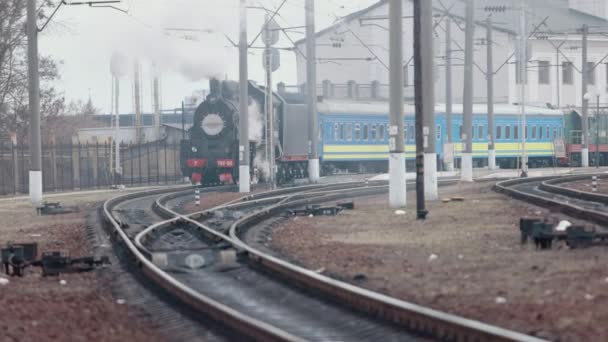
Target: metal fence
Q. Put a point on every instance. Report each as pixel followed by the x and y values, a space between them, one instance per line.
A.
pixel 77 166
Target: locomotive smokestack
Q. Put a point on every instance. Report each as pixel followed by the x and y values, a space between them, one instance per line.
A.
pixel 215 87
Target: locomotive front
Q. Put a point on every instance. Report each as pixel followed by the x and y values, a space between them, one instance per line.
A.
pixel 210 155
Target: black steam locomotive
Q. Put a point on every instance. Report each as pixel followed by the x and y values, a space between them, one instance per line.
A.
pixel 210 155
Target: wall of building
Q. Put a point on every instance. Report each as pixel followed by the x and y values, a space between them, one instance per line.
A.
pixel 126 135
pixel 375 35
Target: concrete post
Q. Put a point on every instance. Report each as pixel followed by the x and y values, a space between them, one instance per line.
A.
pixel 585 101
pixel 490 100
pixel 466 173
pixel 448 88
pixel 35 182
pixel 76 162
pixel 428 100
pixel 244 186
pixel 396 163
pixel 311 83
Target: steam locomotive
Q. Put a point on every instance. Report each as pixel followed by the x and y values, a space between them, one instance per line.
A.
pixel 210 154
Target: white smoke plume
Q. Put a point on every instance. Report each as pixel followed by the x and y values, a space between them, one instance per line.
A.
pixel 256 123
pixel 179 36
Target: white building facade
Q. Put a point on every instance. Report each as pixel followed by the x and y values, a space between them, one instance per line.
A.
pixel 355 52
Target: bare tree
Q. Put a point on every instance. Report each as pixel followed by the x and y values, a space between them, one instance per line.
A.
pixel 13 71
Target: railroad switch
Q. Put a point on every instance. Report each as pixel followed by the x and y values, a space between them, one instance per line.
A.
pixel 17 257
pixel 55 208
pixel 316 210
pixel 543 233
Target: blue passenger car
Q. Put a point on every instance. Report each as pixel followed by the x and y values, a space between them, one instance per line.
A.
pixel 354 135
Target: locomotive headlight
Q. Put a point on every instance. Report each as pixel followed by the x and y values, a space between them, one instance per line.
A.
pixel 212 124
pixel 194 149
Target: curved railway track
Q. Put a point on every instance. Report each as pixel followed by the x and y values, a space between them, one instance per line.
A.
pixel 203 260
pixel 549 192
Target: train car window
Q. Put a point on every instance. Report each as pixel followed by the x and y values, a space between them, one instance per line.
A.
pixel 373 132
pixel 526 132
pixel 540 132
pixel 381 132
pixel 554 132
pixel 349 132
pixel 336 131
pixel 507 132
pixel 460 132
pixel 405 132
pixel 533 132
pixel 357 132
pixel 365 132
pixel 438 132
pixel 498 132
pixel 480 132
pixel 548 133
pixel 412 133
pixel 516 132
pixel 342 132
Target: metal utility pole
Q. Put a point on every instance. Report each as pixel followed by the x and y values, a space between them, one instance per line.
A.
pixel 183 121
pixel 311 84
pixel 269 105
pixel 597 132
pixel 466 173
pixel 35 174
pixel 426 152
pixel 448 89
pixel 243 103
pixel 117 167
pixel 137 94
pixel 523 78
pixel 396 162
pixel 585 82
pixel 156 95
pixel 490 100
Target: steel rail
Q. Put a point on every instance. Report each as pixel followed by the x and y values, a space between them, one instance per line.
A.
pixel 549 184
pixel 411 316
pixel 245 325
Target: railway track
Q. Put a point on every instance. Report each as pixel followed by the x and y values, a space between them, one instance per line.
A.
pixel 550 193
pixel 203 260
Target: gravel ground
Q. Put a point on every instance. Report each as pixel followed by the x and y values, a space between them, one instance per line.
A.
pixel 43 309
pixel 585 185
pixel 465 259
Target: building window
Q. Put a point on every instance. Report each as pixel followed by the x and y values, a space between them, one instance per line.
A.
pixel 349 132
pixel 365 132
pixel 498 132
pixel 373 132
pixel 480 132
pixel 515 132
pixel 438 132
pixel 507 132
pixel 381 132
pixel 591 73
pixel 567 73
pixel 357 132
pixel 543 72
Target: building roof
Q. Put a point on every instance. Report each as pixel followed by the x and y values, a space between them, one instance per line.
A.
pixel 382 108
pixel 560 18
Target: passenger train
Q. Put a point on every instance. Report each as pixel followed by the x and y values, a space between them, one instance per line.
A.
pixel 353 135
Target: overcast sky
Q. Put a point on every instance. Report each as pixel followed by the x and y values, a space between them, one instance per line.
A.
pixel 85 38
